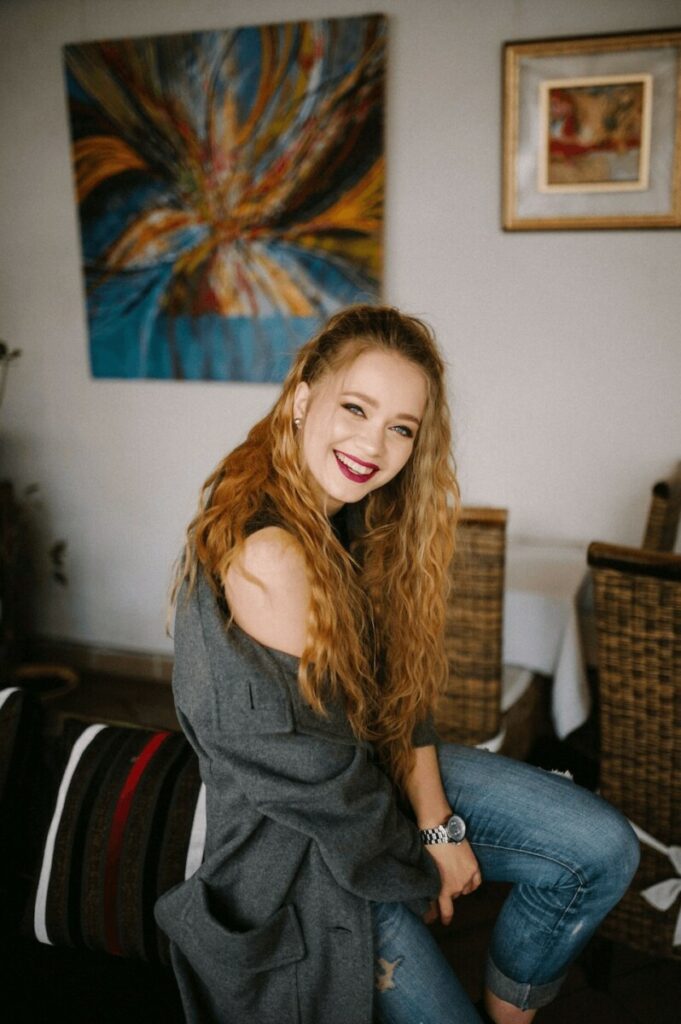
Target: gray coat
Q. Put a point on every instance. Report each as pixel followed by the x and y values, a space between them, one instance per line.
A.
pixel 303 831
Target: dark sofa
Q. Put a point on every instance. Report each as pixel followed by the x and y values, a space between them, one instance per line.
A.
pixel 125 800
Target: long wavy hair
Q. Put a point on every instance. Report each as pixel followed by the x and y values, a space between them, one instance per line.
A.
pixel 377 611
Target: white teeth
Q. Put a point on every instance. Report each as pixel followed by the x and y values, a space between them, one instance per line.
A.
pixel 355 467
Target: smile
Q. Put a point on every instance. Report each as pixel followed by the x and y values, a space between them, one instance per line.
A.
pixel 354 469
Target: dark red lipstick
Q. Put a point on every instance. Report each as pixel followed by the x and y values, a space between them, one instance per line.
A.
pixel 358 478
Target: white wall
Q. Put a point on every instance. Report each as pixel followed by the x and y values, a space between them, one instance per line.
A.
pixel 564 347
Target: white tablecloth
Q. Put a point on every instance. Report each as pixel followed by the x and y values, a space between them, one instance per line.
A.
pixel 546 587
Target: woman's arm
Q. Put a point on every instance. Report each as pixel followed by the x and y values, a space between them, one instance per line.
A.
pixel 458 866
pixel 425 790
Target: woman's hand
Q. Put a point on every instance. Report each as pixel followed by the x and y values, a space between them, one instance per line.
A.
pixel 459 874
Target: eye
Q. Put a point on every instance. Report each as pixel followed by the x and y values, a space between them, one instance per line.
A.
pixel 356 410
pixel 404 431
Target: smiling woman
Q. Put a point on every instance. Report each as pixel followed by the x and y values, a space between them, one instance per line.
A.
pixel 340 429
pixel 360 423
pixel 366 393
pixel 309 652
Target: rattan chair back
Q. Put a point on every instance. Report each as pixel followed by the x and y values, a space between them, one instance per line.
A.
pixel 469 710
pixel 638 621
pixel 664 512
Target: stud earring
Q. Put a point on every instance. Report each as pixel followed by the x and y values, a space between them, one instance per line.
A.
pixel 297 422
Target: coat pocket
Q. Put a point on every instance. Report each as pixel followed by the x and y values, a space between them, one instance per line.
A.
pixel 275 943
pixel 250 974
pixel 244 712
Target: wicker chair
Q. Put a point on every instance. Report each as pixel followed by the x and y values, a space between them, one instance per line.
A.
pixel 663 514
pixel 473 708
pixel 638 622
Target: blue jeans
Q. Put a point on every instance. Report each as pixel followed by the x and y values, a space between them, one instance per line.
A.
pixel 570 857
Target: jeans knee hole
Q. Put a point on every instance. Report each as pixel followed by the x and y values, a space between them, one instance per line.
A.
pixel 385 973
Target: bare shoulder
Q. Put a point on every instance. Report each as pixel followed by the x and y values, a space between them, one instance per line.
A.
pixel 269 554
pixel 267 590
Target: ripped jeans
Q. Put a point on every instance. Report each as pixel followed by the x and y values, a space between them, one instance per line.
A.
pixel 570 857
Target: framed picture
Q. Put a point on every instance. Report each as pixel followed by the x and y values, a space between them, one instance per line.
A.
pixel 592 132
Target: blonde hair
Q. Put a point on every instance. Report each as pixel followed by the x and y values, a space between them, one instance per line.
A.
pixel 376 626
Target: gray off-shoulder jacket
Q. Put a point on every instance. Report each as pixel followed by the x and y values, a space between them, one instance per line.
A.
pixel 303 831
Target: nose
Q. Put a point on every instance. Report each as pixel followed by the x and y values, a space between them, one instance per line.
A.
pixel 370 439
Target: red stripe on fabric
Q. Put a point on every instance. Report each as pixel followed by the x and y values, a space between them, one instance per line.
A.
pixel 115 844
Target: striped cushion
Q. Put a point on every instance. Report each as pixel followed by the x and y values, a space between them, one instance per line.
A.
pixel 128 823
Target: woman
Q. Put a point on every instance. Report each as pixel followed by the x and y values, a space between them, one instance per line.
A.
pixel 309 652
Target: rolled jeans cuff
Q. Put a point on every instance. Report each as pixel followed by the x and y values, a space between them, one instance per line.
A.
pixel 518 993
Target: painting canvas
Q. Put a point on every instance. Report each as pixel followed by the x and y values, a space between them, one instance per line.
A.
pixel 230 192
pixel 595 133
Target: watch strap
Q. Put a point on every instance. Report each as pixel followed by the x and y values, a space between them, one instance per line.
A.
pixel 431 836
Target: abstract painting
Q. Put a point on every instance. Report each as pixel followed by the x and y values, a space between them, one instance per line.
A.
pixel 230 192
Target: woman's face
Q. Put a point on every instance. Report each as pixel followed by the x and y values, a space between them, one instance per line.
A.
pixel 359 424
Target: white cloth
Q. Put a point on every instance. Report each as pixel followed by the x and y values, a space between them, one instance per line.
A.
pixel 663 895
pixel 545 587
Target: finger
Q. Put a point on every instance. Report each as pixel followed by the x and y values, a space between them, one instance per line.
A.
pixel 431 913
pixel 446 904
pixel 472 884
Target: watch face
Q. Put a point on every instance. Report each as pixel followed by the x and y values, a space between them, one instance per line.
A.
pixel 456 828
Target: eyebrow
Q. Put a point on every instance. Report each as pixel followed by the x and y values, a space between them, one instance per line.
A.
pixel 374 404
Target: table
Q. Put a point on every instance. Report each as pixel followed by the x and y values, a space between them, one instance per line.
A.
pixel 548 621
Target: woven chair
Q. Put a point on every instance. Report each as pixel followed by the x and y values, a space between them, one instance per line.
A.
pixel 663 514
pixel 472 708
pixel 638 621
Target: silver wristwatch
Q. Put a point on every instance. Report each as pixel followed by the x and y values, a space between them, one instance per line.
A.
pixel 452 831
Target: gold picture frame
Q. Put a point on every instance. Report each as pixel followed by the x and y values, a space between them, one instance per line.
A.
pixel 592 132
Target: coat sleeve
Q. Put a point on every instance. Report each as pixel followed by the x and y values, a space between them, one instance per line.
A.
pixel 308 773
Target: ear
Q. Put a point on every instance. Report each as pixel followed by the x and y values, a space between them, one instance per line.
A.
pixel 300 400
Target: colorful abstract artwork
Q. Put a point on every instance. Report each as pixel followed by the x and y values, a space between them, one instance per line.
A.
pixel 230 192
